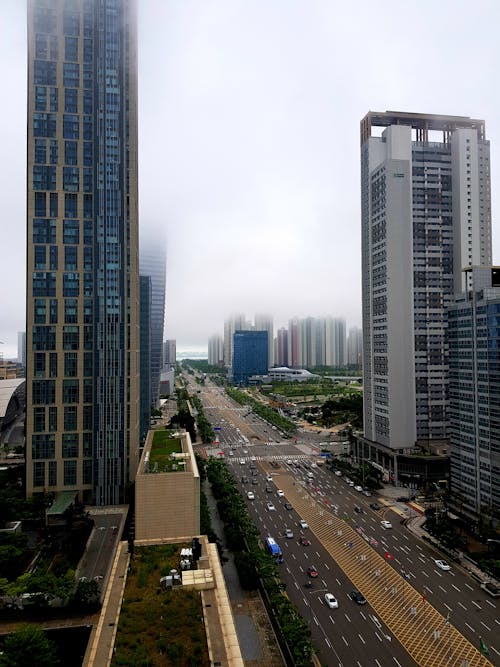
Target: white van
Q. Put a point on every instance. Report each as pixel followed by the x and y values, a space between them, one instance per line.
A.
pixel 310 475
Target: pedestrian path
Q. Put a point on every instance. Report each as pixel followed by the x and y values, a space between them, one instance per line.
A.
pixel 269 457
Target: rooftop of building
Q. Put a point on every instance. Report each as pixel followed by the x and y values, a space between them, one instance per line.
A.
pixel 7 390
pixel 419 121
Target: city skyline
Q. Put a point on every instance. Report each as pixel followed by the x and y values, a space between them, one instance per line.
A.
pixel 255 174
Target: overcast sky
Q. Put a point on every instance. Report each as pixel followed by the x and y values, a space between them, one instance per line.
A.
pixel 249 117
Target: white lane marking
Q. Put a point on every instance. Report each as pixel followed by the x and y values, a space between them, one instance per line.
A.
pixel 327 642
pixel 470 627
pixel 296 585
pixel 464 608
pixel 396 661
pixel 345 641
pixel 406 537
pixel 443 589
pixel 316 620
pixel 491 604
pixel 378 636
pixel 475 603
pixel 378 663
pixel 487 628
pixel 469 587
pixel 326 566
pixel 419 547
pixel 456 588
pixel 410 560
pixel 347 617
pixel 425 573
pixel 338 581
pixel 422 559
pixel 361 614
pixel 495 650
pixel 497 621
pixel 361 638
pixel 331 619
pixel 448 608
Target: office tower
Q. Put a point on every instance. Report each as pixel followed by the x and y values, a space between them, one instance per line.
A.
pixel 355 347
pixel 232 324
pixel 153 262
pixel 82 330
pixel 265 323
pixel 21 348
pixel 293 343
pixel 282 347
pixel 309 338
pixel 473 333
pixel 215 350
pixel 425 207
pixel 169 353
pixel 250 355
pixel 145 355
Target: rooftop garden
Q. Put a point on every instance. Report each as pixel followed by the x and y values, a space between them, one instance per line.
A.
pixel 164 445
pixel 159 626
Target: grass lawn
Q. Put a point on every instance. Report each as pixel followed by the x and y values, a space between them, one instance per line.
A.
pixel 159 626
pixel 163 446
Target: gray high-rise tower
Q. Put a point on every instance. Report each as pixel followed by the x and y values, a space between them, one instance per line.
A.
pixel 425 206
pixel 82 330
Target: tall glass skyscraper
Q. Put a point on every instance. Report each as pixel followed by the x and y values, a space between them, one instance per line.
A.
pixel 82 427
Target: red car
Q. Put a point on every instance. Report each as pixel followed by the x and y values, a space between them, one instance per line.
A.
pixel 312 572
pixel 305 542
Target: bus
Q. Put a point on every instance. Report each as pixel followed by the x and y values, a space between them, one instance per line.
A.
pixel 274 549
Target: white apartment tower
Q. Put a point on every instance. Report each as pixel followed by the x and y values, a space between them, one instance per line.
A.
pixel 265 323
pixel 425 210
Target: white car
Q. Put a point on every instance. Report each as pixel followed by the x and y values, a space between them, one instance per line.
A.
pixel 386 524
pixel 331 601
pixel 253 458
pixel 443 565
pixel 289 462
pixel 303 524
pixel 269 478
pixel 251 495
pixel 280 493
pixel 231 453
pixel 270 507
pixel 358 488
pixel 338 473
pixel 242 462
pixel 288 533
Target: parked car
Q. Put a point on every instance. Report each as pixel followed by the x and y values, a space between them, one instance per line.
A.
pixel 280 493
pixel 338 473
pixel 312 572
pixel 491 589
pixel 331 601
pixel 303 524
pixel 358 597
pixel 443 565
pixel 358 488
pixel 288 506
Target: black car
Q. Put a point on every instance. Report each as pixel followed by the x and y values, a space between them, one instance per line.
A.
pixel 288 506
pixel 358 509
pixel 255 480
pixel 358 597
pixel 375 506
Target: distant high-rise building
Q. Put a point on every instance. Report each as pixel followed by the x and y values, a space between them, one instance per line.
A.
pixel 425 206
pixel 282 347
pixel 170 352
pixel 21 348
pixel 265 323
pixel 215 350
pixel 355 347
pixel 82 319
pixel 473 333
pixel 232 324
pixel 250 355
pixel 294 343
pixel 153 263
pixel 145 355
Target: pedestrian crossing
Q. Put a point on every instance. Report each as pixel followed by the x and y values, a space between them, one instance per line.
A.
pixel 270 457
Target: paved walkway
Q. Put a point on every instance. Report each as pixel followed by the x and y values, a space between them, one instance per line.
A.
pixel 258 643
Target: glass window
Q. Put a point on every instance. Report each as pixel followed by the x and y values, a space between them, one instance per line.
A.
pixel 39 419
pixel 87 418
pixel 71 48
pixel 52 473
pixel 71 75
pixel 38 473
pixel 71 100
pixel 54 207
pixel 70 338
pixel 87 444
pixel 87 258
pixel 88 387
pixel 69 473
pixel 53 310
pixel 87 471
pixel 52 419
pixel 71 232
pixel 40 257
pixel 54 52
pixel 44 283
pixel 43 446
pixel 88 336
pixel 44 230
pixel 71 179
pixel 40 98
pixel 88 102
pixel 39 365
pixel 40 151
pixel 40 311
pixel 44 391
pixel 53 252
pixel 87 51
pixel 88 179
pixel 88 284
pixel 41 50
pixel 88 364
pixel 52 364
pixel 44 19
pixel 44 177
pixel 70 364
pixel 40 204
pixel 87 75
pixel 44 72
pixel 70 206
pixel 71 284
pixel 44 124
pixel 70 417
pixel 44 338
pixel 54 99
pixel 88 153
pixel 71 23
pixel 87 128
pixel 71 152
pixel 69 445
pixel 70 311
pixel 70 126
pixel 70 391
pixel 54 152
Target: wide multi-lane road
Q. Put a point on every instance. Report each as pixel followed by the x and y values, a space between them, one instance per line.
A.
pixel 416 612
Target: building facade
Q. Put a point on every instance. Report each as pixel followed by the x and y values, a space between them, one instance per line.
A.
pixel 425 207
pixel 145 356
pixel 153 263
pixel 474 332
pixel 265 323
pixel 169 353
pixel 233 323
pixel 250 355
pixel 355 347
pixel 215 350
pixel 82 329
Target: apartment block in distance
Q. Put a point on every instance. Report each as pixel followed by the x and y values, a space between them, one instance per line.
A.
pixel 474 332
pixel 82 329
pixel 425 215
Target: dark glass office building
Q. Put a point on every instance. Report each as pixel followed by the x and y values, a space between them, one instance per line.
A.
pixel 249 355
pixel 82 424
